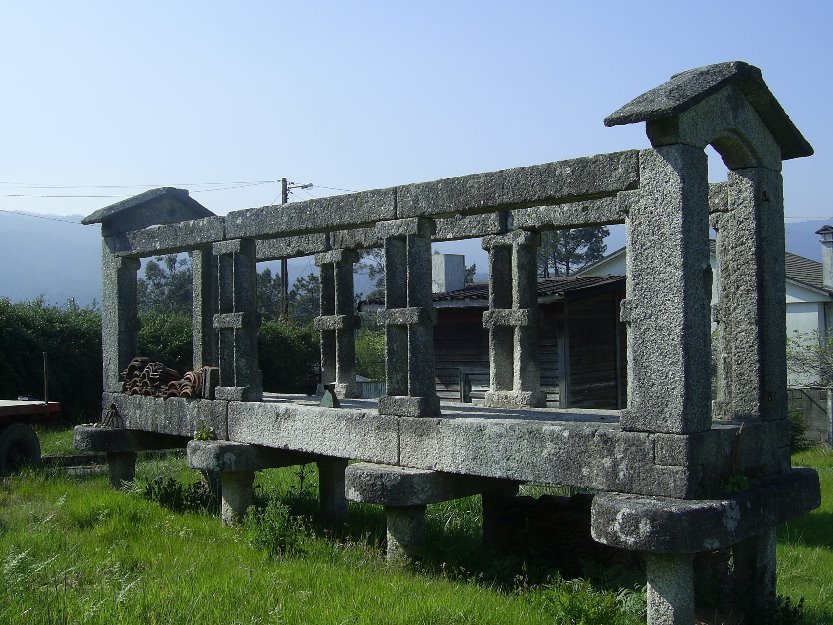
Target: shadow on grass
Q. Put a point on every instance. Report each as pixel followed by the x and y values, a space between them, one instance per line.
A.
pixel 811 530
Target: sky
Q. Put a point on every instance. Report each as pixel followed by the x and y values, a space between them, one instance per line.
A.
pixel 112 98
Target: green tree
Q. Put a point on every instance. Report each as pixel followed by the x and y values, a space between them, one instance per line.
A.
pixel 566 252
pixel 167 286
pixel 372 263
pixel 370 353
pixel 810 356
pixel 269 294
pixel 304 299
pixel 470 271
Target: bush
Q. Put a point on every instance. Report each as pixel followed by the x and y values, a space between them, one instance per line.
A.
pixel 275 530
pixel 166 337
pixel 798 430
pixel 71 336
pixel 178 497
pixel 289 357
pixel 370 354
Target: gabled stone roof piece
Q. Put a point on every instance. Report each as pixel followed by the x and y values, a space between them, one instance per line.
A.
pixel 691 87
pixel 825 230
pixel 165 205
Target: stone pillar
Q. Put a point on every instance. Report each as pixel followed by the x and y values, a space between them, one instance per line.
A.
pixel 237 492
pixel 121 465
pixel 670 589
pixel 331 491
pixel 512 320
pixel 237 321
pixel 337 321
pixel 499 520
pixel 408 319
pixel 667 304
pixel 204 268
pixel 751 309
pixel 754 571
pixel 119 323
pixel 406 532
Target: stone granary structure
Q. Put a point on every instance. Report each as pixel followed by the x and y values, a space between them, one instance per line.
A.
pixel 676 473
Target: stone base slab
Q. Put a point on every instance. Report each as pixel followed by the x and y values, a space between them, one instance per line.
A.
pixel 177 416
pixel 409 406
pixel 672 526
pixel 515 399
pixel 118 440
pixel 403 486
pixel 225 456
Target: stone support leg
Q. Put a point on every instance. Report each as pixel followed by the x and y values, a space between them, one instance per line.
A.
pixel 237 493
pixel 498 522
pixel 406 532
pixel 119 325
pixel 121 465
pixel 331 491
pixel 753 571
pixel 667 304
pixel 670 589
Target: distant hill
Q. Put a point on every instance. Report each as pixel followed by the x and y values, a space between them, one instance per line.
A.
pixel 61 260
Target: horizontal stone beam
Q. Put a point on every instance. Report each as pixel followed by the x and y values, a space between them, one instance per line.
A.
pixel 231 457
pixel 523 187
pixel 292 247
pixel 660 525
pixel 403 486
pixel 183 236
pixel 120 440
pixel 173 415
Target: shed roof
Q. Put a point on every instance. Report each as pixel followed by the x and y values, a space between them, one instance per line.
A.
pixel 154 207
pixel 691 87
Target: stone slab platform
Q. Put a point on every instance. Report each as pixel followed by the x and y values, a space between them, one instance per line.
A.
pixel 580 448
pixel 660 525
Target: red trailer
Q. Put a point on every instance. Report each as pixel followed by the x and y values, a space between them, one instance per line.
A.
pixel 19 445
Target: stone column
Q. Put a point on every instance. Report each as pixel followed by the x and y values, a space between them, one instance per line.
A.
pixel 670 589
pixel 204 268
pixel 667 305
pixel 754 570
pixel 119 323
pixel 512 320
pixel 121 466
pixel 236 495
pixel 337 320
pixel 331 491
pixel 408 319
pixel 237 321
pixel 750 243
pixel 406 532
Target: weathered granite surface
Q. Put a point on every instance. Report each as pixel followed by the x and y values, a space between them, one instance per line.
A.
pixel 175 415
pixel 116 440
pixel 232 457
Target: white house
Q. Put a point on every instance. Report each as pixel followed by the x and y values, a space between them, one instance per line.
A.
pixel 809 286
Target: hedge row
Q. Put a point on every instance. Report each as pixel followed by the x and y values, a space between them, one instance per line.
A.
pixel 72 338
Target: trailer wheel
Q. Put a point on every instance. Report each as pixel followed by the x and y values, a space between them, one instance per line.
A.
pixel 19 447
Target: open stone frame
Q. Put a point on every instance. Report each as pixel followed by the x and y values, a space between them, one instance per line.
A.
pixel 658 467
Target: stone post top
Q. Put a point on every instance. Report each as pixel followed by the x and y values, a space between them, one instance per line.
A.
pixel 689 88
pixel 165 205
pixel 826 233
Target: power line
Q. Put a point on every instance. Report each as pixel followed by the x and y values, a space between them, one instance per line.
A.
pixel 66 221
pixel 34 185
pixel 66 195
pixel 321 186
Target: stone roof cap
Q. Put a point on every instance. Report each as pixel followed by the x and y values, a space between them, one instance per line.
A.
pixel 825 230
pixel 189 208
pixel 691 87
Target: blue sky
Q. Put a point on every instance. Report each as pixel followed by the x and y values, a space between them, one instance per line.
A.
pixel 362 95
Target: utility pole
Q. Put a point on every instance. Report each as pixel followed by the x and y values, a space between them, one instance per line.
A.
pixel 285 187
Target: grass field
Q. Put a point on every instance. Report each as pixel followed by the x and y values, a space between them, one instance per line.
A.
pixel 74 551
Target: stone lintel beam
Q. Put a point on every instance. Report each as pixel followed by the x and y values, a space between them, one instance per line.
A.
pixel 120 440
pixel 516 237
pixel 596 212
pixel 293 246
pixel 414 315
pixel 177 416
pixel 672 526
pixel 503 317
pixel 226 456
pixel 167 239
pixel 403 486
pixel 561 182
pixel 337 256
